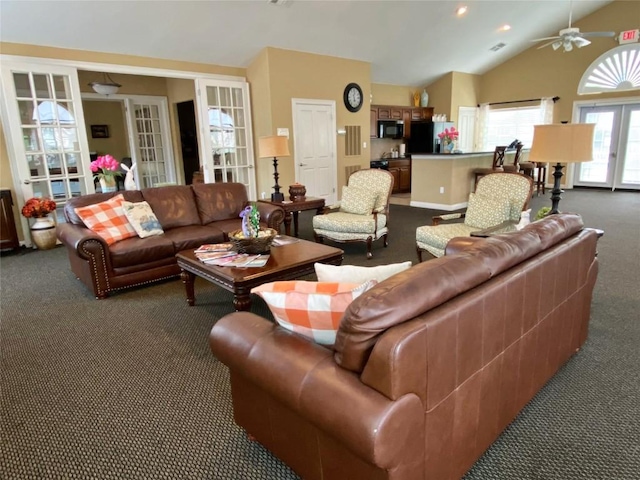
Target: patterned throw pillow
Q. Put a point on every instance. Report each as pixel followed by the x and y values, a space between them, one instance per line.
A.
pixel 355 274
pixel 107 219
pixel 312 309
pixel 485 212
pixel 357 200
pixel 142 218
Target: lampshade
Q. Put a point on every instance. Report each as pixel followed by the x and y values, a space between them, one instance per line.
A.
pixel 562 143
pixel 273 147
pixel 106 87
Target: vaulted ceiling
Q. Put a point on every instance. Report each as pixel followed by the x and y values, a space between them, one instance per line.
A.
pixel 407 42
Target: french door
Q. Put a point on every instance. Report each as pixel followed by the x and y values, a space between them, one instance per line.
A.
pixel 48 143
pixel 616 147
pixel 150 136
pixel 225 123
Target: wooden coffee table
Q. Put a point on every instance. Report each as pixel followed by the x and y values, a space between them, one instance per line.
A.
pixel 286 262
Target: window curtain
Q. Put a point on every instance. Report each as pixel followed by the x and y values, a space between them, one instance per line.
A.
pixel 546 110
pixel 482 116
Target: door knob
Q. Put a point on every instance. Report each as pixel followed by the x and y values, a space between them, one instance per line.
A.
pixel 302 164
pixel 27 182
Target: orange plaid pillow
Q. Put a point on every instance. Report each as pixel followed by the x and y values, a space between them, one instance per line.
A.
pixel 312 309
pixel 107 219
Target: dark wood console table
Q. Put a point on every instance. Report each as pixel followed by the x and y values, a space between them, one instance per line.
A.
pixel 292 208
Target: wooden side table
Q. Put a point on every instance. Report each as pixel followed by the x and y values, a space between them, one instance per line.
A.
pixel 292 208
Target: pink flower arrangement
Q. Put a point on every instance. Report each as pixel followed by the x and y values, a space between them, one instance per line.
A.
pixel 105 166
pixel 449 135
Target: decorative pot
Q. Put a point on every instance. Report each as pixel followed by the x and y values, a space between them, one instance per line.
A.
pixel 297 192
pixel 447 147
pixel 108 184
pixel 43 233
pixel 424 99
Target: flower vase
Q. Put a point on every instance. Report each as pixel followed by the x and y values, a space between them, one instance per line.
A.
pixel 424 99
pixel 43 233
pixel 108 184
pixel 447 146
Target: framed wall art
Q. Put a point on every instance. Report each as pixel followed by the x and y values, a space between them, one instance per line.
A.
pixel 99 131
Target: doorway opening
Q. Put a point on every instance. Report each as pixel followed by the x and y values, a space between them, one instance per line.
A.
pixel 188 139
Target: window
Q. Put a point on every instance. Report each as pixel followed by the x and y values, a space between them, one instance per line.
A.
pixel 506 124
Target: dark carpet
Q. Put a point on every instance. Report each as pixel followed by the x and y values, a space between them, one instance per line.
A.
pixel 126 388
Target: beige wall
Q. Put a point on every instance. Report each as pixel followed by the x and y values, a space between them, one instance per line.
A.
pixel 179 90
pixel 548 73
pixel 465 92
pixel 301 75
pixel 111 114
pixel 400 95
pixel 440 95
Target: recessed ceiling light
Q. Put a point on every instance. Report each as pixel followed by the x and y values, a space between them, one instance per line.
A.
pixel 505 27
pixel 461 11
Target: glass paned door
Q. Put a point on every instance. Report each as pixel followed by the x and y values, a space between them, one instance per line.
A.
pixel 616 147
pixel 47 134
pixel 149 119
pixel 227 148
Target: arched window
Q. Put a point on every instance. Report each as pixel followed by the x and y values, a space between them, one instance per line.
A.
pixel 615 70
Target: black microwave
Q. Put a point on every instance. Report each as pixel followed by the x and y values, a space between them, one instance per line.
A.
pixel 390 128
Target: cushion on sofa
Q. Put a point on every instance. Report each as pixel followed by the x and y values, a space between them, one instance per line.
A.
pixel 142 219
pixel 107 219
pixel 141 251
pixel 175 206
pixel 312 309
pixel 355 274
pixel 219 201
pixel 184 238
pixel 82 201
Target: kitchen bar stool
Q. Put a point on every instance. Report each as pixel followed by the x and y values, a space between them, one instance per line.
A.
pixel 496 165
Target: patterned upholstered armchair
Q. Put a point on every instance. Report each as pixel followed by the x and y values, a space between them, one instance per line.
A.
pixel 498 197
pixel 363 212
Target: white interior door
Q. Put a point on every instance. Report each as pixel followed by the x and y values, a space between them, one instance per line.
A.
pixel 467 128
pixel 47 141
pixel 149 133
pixel 314 144
pixel 226 148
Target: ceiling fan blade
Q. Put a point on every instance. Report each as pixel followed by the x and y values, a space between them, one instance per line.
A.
pixel 545 38
pixel 548 43
pixel 598 34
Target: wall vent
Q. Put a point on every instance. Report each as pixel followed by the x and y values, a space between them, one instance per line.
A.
pixel 352 141
pixel 498 46
pixel 349 169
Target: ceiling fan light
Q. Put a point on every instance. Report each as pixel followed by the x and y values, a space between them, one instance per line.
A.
pixel 556 45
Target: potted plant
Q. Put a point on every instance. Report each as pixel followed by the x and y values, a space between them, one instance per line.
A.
pixel 543 212
pixel 106 169
pixel 43 232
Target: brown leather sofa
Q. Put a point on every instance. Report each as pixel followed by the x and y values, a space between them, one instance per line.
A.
pixel 190 215
pixel 429 366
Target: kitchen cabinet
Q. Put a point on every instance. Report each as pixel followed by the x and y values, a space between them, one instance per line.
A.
pixel 374 123
pixel 406 114
pixel 401 171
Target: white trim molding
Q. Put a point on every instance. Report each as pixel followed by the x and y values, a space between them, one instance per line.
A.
pixel 617 70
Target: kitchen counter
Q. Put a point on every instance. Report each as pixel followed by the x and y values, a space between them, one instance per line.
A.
pixel 443 181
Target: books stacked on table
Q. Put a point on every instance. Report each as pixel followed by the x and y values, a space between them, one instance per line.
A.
pixel 222 255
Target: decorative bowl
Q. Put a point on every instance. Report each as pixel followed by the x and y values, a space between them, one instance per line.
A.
pixel 297 192
pixel 259 244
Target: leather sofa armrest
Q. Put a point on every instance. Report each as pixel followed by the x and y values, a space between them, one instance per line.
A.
pixel 304 377
pixel 80 239
pixel 460 244
pixel 272 215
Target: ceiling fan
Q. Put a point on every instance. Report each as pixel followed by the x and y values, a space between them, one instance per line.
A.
pixel 570 37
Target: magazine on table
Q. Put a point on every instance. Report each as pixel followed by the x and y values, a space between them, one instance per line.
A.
pixel 239 260
pixel 214 255
pixel 214 247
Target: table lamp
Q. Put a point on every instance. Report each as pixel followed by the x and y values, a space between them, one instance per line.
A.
pixel 561 143
pixel 274 147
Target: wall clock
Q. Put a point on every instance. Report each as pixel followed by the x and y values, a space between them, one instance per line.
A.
pixel 353 98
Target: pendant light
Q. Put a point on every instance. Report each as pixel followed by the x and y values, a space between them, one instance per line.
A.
pixel 106 87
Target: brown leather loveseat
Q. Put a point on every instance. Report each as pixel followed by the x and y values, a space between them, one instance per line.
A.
pixel 190 215
pixel 429 366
